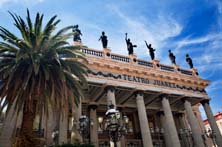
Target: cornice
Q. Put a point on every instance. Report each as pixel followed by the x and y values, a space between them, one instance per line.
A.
pixel 127 65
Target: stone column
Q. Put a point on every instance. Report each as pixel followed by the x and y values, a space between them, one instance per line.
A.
pixel 195 128
pixel 144 125
pixel 170 123
pixel 197 113
pixel 212 122
pixel 183 126
pixel 110 90
pixel 94 127
pixel 167 138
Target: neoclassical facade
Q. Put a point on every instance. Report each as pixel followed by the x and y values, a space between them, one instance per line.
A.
pixel 161 102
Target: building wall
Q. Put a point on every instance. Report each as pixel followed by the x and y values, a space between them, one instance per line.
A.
pixel 218 118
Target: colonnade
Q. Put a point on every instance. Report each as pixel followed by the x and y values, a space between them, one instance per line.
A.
pixel 171 136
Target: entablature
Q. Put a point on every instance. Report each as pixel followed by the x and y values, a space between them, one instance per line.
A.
pixel 113 64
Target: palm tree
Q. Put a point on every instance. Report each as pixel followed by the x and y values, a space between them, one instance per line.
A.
pixel 39 69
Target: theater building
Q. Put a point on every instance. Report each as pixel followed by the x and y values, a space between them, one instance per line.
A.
pixel 161 102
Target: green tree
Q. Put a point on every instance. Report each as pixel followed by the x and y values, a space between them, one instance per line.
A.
pixel 37 69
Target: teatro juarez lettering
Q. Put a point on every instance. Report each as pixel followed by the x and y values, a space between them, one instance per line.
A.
pixel 142 80
pixel 147 81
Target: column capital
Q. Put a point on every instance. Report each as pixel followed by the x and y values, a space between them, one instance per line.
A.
pixel 205 101
pixel 139 92
pixel 111 88
pixel 185 99
pixel 93 106
pixel 179 114
pixel 120 109
pixel 159 113
pixel 164 96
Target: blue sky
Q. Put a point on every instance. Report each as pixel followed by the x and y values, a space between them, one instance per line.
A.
pixel 191 26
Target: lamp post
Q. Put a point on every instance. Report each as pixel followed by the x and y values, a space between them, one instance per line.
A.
pixel 112 124
pixel 211 134
pixel 84 126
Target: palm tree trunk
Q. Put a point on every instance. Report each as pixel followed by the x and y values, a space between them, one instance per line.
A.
pixel 26 136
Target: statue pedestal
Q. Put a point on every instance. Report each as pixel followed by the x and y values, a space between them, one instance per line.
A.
pixel 155 63
pixel 132 58
pixel 77 43
pixel 106 52
pixel 194 71
pixel 176 67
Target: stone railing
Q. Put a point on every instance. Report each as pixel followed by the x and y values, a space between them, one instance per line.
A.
pixel 144 63
pixel 120 58
pixel 106 53
pixel 167 68
pixel 186 72
pixel 92 52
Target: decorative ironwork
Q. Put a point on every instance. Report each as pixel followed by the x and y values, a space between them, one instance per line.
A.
pixel 112 124
pixel 84 126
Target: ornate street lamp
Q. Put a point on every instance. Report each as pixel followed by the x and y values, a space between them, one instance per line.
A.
pixel 112 124
pixel 84 126
pixel 211 134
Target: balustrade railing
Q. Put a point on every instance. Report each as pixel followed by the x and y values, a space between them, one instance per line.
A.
pixel 186 72
pixel 139 62
pixel 166 68
pixel 120 58
pixel 92 52
pixel 144 63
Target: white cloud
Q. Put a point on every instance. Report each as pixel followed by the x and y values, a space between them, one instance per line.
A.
pixel 186 41
pixel 154 31
pixel 214 85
